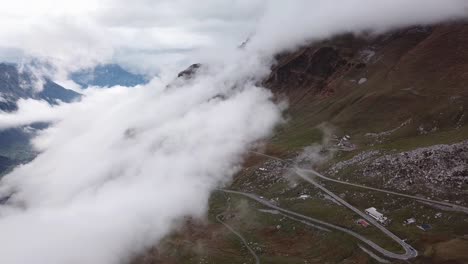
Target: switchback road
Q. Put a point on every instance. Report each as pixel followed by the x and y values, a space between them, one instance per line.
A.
pixel 407 255
pixel 454 207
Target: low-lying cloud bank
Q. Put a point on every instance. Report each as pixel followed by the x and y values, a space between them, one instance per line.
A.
pixel 117 169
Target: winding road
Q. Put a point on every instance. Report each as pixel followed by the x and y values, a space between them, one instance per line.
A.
pixel 454 207
pixel 304 222
pixel 305 174
pixel 410 252
pixel 372 255
pixel 407 255
pixel 446 204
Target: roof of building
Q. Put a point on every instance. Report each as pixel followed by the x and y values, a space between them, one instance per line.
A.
pixel 374 212
pixel 363 222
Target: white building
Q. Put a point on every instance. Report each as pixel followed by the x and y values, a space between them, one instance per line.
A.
pixel 376 215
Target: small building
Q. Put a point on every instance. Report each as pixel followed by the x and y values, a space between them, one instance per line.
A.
pixel 363 223
pixel 262 169
pixel 362 81
pixel 410 221
pixel 376 215
pixel 425 227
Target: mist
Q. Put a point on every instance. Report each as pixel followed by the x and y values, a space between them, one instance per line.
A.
pixel 287 25
pixel 119 168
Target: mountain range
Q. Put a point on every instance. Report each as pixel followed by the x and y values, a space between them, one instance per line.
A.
pixel 18 84
pixel 107 75
pixel 386 111
pixel 21 83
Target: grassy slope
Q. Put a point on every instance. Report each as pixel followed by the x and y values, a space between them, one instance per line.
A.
pixel 417 76
pixel 414 75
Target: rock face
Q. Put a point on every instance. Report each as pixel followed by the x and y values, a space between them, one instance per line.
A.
pixel 10 88
pixel 190 71
pixel 309 68
pixel 311 71
pixel 345 79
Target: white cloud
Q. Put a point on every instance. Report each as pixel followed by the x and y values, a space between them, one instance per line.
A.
pixel 120 167
pixel 77 33
pixel 285 25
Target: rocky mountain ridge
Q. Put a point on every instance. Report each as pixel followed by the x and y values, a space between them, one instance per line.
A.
pixel 18 84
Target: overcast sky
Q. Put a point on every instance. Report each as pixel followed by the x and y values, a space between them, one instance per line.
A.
pixel 151 35
pixel 82 32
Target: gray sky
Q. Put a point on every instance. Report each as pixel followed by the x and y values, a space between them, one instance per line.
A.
pixel 164 34
pixel 76 33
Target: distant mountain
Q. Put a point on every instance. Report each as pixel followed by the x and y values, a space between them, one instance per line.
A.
pixel 106 76
pixel 16 84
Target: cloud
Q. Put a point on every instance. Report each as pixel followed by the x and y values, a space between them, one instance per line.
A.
pixel 118 168
pixel 30 111
pixel 285 25
pixel 80 33
pixel 75 34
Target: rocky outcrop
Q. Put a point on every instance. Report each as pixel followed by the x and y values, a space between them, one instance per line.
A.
pixel 315 70
pixel 190 71
pixel 442 169
pixel 309 68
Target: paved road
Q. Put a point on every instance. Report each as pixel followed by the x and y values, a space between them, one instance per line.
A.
pixel 446 204
pixel 374 256
pixel 454 207
pixel 407 255
pixel 304 222
pixel 410 252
